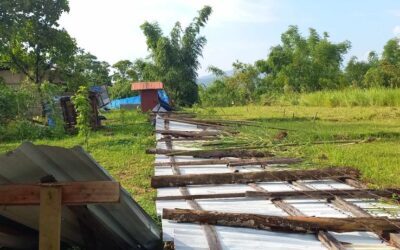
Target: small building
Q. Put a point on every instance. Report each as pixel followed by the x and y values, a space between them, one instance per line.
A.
pixel 148 94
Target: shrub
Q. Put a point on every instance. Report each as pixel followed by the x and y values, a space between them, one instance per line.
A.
pixel 82 106
pixel 19 130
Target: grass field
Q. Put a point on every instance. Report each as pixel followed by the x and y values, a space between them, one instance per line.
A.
pixel 379 161
pixel 120 149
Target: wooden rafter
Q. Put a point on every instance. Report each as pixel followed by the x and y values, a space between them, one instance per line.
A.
pixel 73 193
pixel 301 224
pixel 251 177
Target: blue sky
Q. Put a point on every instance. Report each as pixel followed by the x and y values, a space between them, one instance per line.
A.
pixel 241 30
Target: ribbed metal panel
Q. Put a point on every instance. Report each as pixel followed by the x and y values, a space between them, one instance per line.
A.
pixel 29 163
pixel 191 236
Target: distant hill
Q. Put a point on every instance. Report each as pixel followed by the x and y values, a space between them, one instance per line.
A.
pixel 208 79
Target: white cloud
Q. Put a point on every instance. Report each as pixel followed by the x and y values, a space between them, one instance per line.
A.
pixel 396 30
pixel 110 29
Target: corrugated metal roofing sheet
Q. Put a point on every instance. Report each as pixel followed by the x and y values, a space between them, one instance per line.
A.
pixel 190 236
pixel 29 163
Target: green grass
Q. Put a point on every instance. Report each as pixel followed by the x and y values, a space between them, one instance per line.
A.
pixel 120 149
pixel 351 97
pixel 379 161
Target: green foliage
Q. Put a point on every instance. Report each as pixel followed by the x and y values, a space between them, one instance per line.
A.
pixel 309 64
pixel 125 72
pixel 175 58
pixel 49 91
pixel 378 161
pixel 85 70
pixel 304 63
pixel 82 106
pixel 356 71
pixel 20 130
pixel 243 87
pixel 352 97
pixel 8 104
pixel 31 41
pixel 17 103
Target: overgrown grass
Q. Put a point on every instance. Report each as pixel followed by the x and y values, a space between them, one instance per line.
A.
pixel 120 149
pixel 379 161
pixel 352 97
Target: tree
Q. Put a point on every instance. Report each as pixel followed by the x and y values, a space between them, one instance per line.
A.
pixel 391 51
pixel 355 70
pixel 386 72
pixel 85 70
pixel 125 72
pixel 31 41
pixel 304 63
pixel 175 58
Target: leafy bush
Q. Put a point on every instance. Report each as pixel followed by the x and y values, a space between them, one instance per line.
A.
pixel 19 130
pixel 8 104
pixel 82 106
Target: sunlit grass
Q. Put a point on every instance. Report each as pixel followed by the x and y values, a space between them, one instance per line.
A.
pixel 379 160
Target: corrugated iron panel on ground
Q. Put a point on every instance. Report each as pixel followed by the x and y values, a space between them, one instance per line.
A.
pixel 29 163
pixel 191 236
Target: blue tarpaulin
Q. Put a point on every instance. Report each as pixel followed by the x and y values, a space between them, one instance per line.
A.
pixel 116 104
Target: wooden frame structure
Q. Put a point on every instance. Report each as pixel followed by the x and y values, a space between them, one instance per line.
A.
pixel 51 197
pixel 387 229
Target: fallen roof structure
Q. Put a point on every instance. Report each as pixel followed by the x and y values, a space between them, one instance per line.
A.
pixel 122 225
pixel 263 206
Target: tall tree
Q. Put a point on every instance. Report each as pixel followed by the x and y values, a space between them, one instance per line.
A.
pixel 304 63
pixel 386 72
pixel 31 41
pixel 355 70
pixel 84 69
pixel 125 72
pixel 175 58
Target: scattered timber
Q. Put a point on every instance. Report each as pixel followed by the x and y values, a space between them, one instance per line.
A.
pixel 234 163
pixel 196 122
pixel 219 153
pixel 329 194
pixel 189 133
pixel 251 177
pixel 170 139
pixel 72 193
pixel 300 224
pixel 332 196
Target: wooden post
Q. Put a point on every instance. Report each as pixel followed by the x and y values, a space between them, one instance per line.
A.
pixel 50 218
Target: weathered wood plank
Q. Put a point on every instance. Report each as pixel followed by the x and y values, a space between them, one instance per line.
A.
pixel 201 196
pixel 50 218
pixel 289 209
pixel 228 178
pixel 215 153
pixel 350 207
pixel 232 162
pixel 189 133
pixel 334 196
pixel 72 193
pixel 326 238
pixel 289 223
pixel 330 241
pixel 328 194
pixel 256 161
